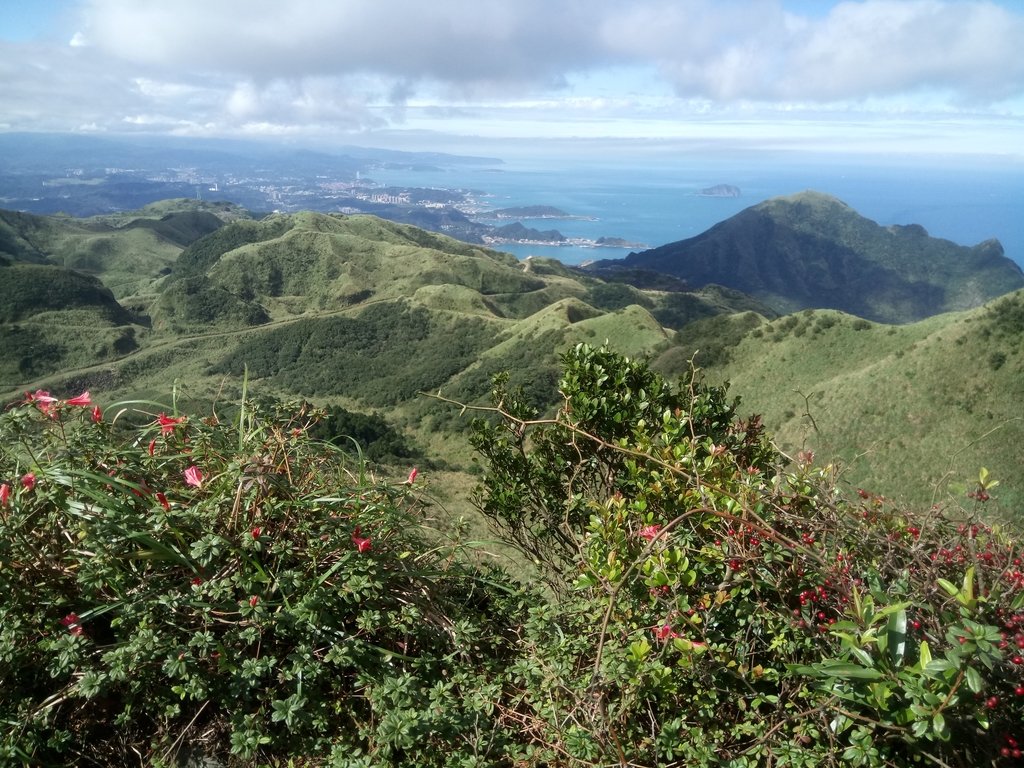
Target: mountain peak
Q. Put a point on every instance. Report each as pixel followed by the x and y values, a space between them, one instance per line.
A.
pixel 812 250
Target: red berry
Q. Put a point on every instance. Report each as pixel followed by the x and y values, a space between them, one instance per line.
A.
pixel 1019 690
pixel 992 702
pixel 1018 659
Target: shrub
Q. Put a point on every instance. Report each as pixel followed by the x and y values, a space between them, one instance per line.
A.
pixel 192 589
pixel 718 603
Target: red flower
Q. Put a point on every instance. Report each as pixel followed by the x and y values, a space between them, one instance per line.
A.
pixel 152 447
pixel 649 532
pixel 194 476
pixel 5 494
pixel 665 632
pixel 163 501
pixel 82 399
pixel 97 414
pixel 412 476
pixel 70 620
pixel 168 423
pixel 43 399
pixel 253 600
pixel 256 532
pixel 362 544
pixel 76 630
pixel 28 481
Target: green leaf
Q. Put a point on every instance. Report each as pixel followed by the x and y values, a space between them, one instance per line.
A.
pixel 949 586
pixel 974 681
pixel 924 655
pixel 846 669
pixel 896 636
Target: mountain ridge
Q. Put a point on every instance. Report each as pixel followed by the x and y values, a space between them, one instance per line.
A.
pixel 811 250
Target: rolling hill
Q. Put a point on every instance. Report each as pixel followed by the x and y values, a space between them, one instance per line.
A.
pixel 365 314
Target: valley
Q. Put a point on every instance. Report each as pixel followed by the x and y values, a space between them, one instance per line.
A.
pixel 369 315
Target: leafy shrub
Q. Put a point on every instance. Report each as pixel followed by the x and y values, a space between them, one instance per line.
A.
pixel 185 589
pixel 192 590
pixel 718 603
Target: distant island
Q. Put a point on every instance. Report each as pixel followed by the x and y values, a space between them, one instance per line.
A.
pixel 720 190
pixel 534 212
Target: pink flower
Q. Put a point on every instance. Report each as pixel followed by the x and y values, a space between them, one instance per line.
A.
pixel 163 501
pixel 43 400
pixel 168 423
pixel 412 476
pixel 97 414
pixel 28 481
pixel 194 476
pixel 71 622
pixel 362 544
pixel 665 632
pixel 649 532
pixel 5 494
pixel 81 400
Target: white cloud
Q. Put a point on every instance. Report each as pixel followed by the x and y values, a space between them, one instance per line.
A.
pixel 264 66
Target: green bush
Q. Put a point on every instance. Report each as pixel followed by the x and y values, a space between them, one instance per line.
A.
pixel 720 604
pixel 183 589
pixel 191 590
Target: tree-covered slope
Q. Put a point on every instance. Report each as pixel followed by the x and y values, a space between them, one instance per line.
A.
pixel 811 250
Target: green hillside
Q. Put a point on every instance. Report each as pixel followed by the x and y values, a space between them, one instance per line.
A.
pixel 811 250
pixel 912 411
pixel 366 314
pixel 128 251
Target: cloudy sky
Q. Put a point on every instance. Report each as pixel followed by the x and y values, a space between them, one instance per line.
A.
pixel 893 75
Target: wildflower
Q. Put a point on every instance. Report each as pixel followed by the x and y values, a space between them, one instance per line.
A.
pixel 649 532
pixel 194 476
pixel 43 400
pixel 5 494
pixel 152 447
pixel 28 481
pixel 168 423
pixel 197 581
pixel 163 501
pixel 71 622
pixel 256 532
pixel 253 600
pixel 665 632
pixel 97 414
pixel 362 544
pixel 81 400
pixel 412 476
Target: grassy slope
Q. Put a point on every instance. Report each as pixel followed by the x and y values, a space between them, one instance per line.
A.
pixel 912 411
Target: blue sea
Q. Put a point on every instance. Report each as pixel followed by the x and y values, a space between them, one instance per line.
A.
pixel 652 197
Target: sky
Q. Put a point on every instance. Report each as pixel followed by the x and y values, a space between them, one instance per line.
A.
pixel 897 76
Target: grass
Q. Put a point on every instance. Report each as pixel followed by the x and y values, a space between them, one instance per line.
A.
pixel 911 411
pixel 367 313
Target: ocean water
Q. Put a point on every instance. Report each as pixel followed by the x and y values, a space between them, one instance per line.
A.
pixel 651 198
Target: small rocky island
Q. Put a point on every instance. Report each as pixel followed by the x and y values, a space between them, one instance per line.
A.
pixel 720 190
pixel 534 212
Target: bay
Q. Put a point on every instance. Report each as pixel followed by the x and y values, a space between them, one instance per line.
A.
pixel 653 198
